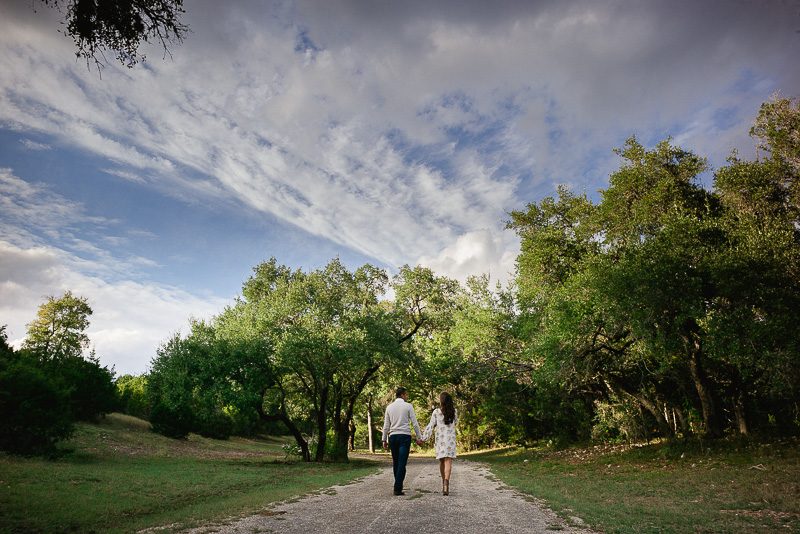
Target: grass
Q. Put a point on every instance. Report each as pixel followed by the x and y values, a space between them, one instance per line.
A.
pixel 671 487
pixel 119 477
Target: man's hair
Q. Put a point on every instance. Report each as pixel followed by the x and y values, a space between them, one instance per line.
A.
pixel 400 392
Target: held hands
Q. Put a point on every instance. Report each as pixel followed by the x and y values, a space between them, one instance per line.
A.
pixel 386 444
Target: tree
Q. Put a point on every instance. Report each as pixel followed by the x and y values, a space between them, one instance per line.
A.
pixel 423 301
pixel 57 339
pixel 331 335
pixel 89 386
pixel 120 26
pixel 133 395
pixel 761 268
pixel 654 220
pixel 298 348
pixel 59 330
pixel 563 334
pixel 777 130
pixel 190 384
pixel 665 295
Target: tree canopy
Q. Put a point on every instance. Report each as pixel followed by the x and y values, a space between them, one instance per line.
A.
pixel 59 330
pixel 120 26
pixel 298 348
pixel 666 296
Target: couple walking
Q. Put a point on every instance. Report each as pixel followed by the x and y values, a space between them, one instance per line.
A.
pixel 397 424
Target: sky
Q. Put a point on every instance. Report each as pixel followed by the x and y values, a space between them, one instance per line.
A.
pixel 378 132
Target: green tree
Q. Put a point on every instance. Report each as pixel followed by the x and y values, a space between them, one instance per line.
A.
pixel 89 386
pixel 298 348
pixel 656 273
pixel 423 301
pixel 59 330
pixel 565 337
pixel 331 335
pixel 133 395
pixel 665 295
pixel 761 268
pixel 58 339
pixel 777 130
pixel 187 383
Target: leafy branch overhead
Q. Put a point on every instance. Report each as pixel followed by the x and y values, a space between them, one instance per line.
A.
pixel 120 26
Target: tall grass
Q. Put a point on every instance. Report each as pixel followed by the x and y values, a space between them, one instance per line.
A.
pixel 717 487
pixel 122 478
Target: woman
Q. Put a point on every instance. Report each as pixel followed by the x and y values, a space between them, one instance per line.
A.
pixel 444 419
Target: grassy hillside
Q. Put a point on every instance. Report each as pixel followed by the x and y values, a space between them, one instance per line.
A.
pixel 120 477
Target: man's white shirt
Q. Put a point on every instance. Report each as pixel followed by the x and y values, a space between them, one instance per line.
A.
pixel 399 417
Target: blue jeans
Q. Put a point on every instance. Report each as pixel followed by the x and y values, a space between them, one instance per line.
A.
pixel 400 445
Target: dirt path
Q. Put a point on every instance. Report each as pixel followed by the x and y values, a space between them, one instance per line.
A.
pixel 478 502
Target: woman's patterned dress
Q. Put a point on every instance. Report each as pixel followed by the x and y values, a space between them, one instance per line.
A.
pixel 445 434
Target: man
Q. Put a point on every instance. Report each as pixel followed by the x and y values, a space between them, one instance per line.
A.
pixel 397 435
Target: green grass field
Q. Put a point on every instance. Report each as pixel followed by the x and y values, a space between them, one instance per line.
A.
pixel 723 487
pixel 122 478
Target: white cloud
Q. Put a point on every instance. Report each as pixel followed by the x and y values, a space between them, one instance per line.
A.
pixel 476 253
pixel 130 319
pixel 346 140
pixel 33 145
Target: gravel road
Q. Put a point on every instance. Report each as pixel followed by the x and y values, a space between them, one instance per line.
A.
pixel 478 502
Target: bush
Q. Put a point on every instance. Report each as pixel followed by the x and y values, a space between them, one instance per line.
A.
pixel 333 449
pixel 172 422
pixel 90 387
pixel 34 413
pixel 216 425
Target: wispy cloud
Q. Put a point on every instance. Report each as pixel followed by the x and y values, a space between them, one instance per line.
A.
pixel 33 145
pixel 402 131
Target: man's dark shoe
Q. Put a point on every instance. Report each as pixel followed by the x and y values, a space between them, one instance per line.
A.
pixel 398 493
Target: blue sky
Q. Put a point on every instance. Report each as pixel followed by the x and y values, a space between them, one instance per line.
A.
pixel 379 132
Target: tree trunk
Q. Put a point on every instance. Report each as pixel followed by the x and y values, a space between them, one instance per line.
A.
pixel 342 424
pixel 711 419
pixel 298 436
pixel 740 405
pixel 351 444
pixel 341 430
pixel 322 424
pixel 686 428
pixel 648 405
pixel 369 425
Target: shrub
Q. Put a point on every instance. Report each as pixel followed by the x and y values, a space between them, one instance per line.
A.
pixel 172 422
pixel 89 386
pixel 34 413
pixel 216 425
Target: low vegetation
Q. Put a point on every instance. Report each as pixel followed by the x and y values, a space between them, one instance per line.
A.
pixel 118 476
pixel 729 486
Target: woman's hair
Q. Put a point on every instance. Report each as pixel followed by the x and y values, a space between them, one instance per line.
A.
pixel 448 410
